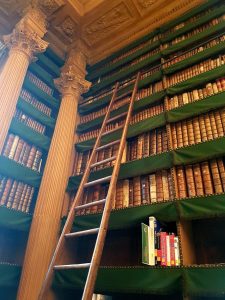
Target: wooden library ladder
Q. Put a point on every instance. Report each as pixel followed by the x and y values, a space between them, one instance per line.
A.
pixel 102 230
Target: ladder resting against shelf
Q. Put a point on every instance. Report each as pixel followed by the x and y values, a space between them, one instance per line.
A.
pixel 102 230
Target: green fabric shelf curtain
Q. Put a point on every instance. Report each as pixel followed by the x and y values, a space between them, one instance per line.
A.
pixel 42 74
pixel 214 30
pixel 9 275
pixel 133 130
pixel 12 169
pixel 123 50
pixel 49 65
pixel 95 105
pixel 180 156
pixel 195 58
pixel 189 14
pixel 123 61
pixel 200 207
pixel 196 81
pixel 44 97
pixel 54 57
pixel 138 105
pixel 192 25
pixel 27 133
pixel 36 113
pixel 199 280
pixel 14 219
pixel 125 73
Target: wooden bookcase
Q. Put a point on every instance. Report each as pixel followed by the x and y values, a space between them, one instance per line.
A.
pixel 181 88
pixel 34 123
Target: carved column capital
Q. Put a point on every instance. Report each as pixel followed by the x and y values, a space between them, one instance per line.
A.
pixel 27 34
pixel 70 82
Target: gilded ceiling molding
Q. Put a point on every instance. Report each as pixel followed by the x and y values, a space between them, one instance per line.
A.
pixel 163 18
pixel 146 3
pixel 27 34
pixel 106 24
pixel 49 6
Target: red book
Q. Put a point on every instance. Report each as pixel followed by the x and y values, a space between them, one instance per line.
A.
pixel 163 248
pixel 172 250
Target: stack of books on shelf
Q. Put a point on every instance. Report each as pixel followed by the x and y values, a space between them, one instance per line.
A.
pixel 39 83
pixel 159 247
pixel 23 118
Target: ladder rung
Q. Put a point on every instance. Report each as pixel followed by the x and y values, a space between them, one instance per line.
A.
pixel 87 205
pixel 103 161
pixel 108 145
pixel 117 117
pixel 115 129
pixel 74 266
pixel 82 233
pixel 101 180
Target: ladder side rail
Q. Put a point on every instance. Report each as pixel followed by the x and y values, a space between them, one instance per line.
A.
pixel 68 225
pixel 92 274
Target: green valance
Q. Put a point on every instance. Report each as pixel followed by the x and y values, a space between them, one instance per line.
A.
pixel 194 11
pixel 133 130
pixel 54 57
pixel 27 133
pixel 194 39
pixel 180 156
pixel 196 81
pixel 130 70
pixel 192 25
pixel 36 113
pixel 138 105
pixel 44 97
pixel 199 152
pixel 200 56
pixel 104 100
pixel 123 50
pixel 129 169
pixel 49 65
pixel 12 169
pixel 196 108
pixel 14 219
pixel 42 74
pixel 9 275
pixel 123 61
pixel 199 280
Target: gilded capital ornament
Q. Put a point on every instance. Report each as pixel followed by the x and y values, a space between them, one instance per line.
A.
pixel 70 82
pixel 27 34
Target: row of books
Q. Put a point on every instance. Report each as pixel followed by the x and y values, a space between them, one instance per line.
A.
pixel 147 144
pixel 209 89
pixel 200 179
pixel 133 50
pixel 199 129
pixel 144 92
pixel 130 64
pixel 137 117
pixel 23 153
pixel 195 70
pixel 159 246
pixel 135 191
pixel 15 194
pixel 193 32
pixel 184 23
pixel 177 57
pixel 101 297
pixel 28 97
pixel 39 83
pixel 30 122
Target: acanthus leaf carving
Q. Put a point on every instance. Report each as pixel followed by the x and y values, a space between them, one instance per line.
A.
pixel 146 3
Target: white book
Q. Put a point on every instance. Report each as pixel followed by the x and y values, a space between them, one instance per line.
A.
pixel 151 241
pixel 177 251
pixel 13 147
pixel 168 263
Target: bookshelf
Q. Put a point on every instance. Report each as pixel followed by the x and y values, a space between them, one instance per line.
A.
pixel 22 163
pixel 175 147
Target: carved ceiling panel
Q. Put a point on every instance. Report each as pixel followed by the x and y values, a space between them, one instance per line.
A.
pixel 107 24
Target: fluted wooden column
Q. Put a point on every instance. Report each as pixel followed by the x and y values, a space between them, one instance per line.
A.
pixel 24 42
pixel 45 226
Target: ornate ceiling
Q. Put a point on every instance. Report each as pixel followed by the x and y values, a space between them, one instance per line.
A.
pixel 105 26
